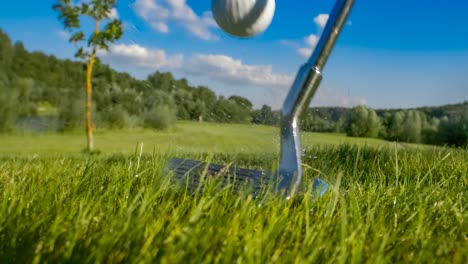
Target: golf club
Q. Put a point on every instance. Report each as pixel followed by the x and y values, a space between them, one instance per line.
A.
pixel 288 178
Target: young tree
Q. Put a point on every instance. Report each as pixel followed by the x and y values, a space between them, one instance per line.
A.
pixel 8 107
pixel 453 130
pixel 363 122
pixel 99 11
pixel 412 126
pixel 265 116
pixel 6 53
pixel 393 122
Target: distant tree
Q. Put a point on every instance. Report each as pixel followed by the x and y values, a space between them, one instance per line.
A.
pixel 338 126
pixel 184 102
pixel 325 119
pixel 265 116
pixel 454 131
pixel 117 117
pixel 430 131
pixel 161 117
pixel 8 105
pixel 158 110
pixel 230 111
pixel 314 122
pixel 71 111
pixel 161 81
pixel 412 126
pixel 409 126
pixel 6 52
pixel 242 101
pixel 363 122
pixel 116 107
pixel 393 123
pixel 208 97
pixel 26 93
pixel 98 11
pixel 243 109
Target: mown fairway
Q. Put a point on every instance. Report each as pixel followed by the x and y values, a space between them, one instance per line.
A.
pixel 388 203
pixel 186 137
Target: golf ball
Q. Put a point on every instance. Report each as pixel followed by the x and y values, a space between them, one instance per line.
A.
pixel 243 18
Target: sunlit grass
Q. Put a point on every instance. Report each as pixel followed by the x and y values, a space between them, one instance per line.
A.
pixel 387 203
pixel 186 137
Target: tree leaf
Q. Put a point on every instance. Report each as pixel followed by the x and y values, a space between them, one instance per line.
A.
pixel 85 9
pixel 77 37
pixel 68 14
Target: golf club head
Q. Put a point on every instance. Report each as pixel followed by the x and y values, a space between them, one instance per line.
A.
pixel 191 173
pixel 319 186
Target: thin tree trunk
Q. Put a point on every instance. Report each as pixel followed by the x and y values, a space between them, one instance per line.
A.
pixel 89 126
pixel 89 75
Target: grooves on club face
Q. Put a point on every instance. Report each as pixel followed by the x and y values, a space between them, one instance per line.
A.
pixel 192 173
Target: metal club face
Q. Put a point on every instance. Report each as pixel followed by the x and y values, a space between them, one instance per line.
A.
pixel 288 178
pixel 190 173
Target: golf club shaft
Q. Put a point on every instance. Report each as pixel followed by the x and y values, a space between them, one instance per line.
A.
pixel 335 23
pixel 303 89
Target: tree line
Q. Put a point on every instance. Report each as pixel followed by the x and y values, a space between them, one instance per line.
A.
pixel 441 125
pixel 42 92
pixel 34 86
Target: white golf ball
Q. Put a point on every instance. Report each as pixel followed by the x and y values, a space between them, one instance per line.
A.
pixel 243 18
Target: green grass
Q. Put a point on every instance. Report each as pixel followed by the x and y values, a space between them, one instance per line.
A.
pixel 186 137
pixel 386 204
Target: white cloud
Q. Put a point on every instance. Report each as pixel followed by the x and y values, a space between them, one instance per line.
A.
pixel 305 52
pixel 208 19
pixel 155 14
pixel 327 96
pixel 306 48
pixel 221 68
pixel 113 14
pixel 141 57
pixel 229 70
pixel 160 27
pixel 289 43
pixel 224 70
pixel 63 34
pixel 321 20
pixel 158 14
pixel 310 42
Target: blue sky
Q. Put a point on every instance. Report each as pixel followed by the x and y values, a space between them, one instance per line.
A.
pixel 391 54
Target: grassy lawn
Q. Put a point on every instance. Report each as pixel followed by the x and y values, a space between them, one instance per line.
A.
pixel 386 203
pixel 186 137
